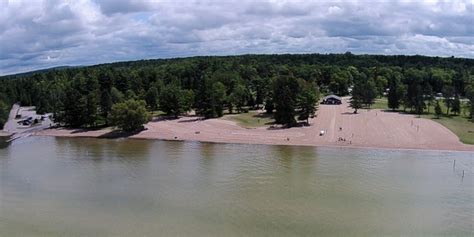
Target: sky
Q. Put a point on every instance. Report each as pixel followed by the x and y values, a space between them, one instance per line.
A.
pixel 36 34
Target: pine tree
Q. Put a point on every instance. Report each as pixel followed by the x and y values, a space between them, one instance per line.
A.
pixel 307 102
pixel 151 98
pixel 438 110
pixel 287 89
pixel 456 105
pixel 394 95
pixel 357 98
pixel 448 93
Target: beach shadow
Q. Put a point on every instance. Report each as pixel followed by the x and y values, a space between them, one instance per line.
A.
pixel 163 118
pixel 83 130
pixel 190 120
pixel 121 134
pixel 297 125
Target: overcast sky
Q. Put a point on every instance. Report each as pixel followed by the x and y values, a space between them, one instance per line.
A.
pixel 38 34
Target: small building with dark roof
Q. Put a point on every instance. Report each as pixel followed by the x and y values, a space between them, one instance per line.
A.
pixel 332 100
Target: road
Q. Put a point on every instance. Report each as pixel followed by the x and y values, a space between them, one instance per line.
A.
pixel 10 125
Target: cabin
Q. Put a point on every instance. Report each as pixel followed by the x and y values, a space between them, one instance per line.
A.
pixel 332 100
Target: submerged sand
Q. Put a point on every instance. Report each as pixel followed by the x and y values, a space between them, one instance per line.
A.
pixel 369 128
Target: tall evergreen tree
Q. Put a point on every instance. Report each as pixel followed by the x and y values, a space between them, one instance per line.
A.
pixel 151 98
pixel 357 97
pixel 428 96
pixel 396 92
pixel 239 97
pixel 307 102
pixel 287 89
pixel 448 93
pixel 456 105
pixel 438 111
pixel 210 98
pixel 470 96
pixel 369 93
pixel 419 102
pixel 4 112
pixel 172 100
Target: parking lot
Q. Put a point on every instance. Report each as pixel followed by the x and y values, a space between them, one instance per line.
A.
pixel 26 120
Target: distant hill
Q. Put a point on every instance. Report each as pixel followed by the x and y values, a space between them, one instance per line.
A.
pixel 26 74
pixel 346 59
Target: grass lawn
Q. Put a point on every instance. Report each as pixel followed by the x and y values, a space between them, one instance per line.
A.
pixel 251 119
pixel 156 113
pixel 459 124
pixel 380 103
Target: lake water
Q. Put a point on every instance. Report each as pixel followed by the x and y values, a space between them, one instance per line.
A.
pixel 89 187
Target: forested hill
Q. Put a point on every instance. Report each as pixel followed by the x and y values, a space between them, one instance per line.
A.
pixel 346 59
pixel 243 81
pixel 30 73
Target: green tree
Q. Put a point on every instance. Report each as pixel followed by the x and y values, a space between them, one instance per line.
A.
pixel 395 93
pixel 438 111
pixel 287 89
pixel 269 105
pixel 456 105
pixel 448 93
pixel 307 102
pixel 357 98
pixel 428 96
pixel 151 98
pixel 239 97
pixel 414 96
pixel 470 96
pixel 370 92
pixel 116 96
pixel 92 106
pixel 210 98
pixel 73 105
pixel 105 100
pixel 105 103
pixel 218 98
pixel 419 102
pixel 129 115
pixel 340 81
pixel 130 94
pixel 172 100
pixel 187 100
pixel 4 112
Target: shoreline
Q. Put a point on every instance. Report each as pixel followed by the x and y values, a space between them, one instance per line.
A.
pixel 248 143
pixel 374 129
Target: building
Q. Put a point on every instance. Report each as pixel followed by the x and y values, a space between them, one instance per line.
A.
pixel 332 100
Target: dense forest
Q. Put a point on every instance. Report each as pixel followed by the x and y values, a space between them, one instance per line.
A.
pixel 289 86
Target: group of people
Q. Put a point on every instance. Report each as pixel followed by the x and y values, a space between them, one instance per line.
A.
pixel 342 139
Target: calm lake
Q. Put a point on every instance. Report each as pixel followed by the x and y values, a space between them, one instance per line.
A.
pixel 90 187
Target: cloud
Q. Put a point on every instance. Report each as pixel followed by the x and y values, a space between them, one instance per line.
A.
pixel 110 7
pixel 45 33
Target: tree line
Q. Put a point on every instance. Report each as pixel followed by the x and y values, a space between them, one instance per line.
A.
pixel 288 86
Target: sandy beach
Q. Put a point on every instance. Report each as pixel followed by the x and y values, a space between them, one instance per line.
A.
pixel 369 128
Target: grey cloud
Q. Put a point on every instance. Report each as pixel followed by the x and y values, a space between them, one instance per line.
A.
pixel 109 7
pixel 41 33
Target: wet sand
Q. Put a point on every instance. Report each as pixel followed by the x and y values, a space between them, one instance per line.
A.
pixel 368 128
